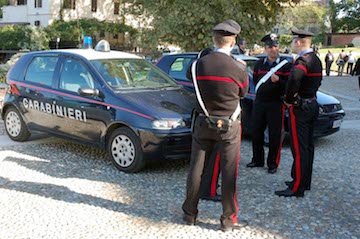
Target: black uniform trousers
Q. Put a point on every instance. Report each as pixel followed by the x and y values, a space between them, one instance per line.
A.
pixel 210 177
pixel 302 144
pixel 203 141
pixel 271 114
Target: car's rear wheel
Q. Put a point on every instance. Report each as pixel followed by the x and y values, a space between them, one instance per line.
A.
pixel 125 150
pixel 15 125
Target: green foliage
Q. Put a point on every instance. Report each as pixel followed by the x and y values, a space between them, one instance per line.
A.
pixel 344 15
pixel 73 30
pixel 67 31
pixel 285 40
pixel 23 37
pixel 351 19
pixel 188 23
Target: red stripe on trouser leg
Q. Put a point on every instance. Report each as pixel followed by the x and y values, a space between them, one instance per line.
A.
pixel 215 175
pixel 234 219
pixel 296 150
pixel 282 127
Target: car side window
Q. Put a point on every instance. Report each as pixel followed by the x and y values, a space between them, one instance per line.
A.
pixel 41 70
pixel 179 67
pixel 74 76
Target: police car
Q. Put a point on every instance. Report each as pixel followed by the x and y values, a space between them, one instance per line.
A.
pixel 112 99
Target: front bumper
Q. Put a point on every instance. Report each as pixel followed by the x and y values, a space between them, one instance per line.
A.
pixel 165 145
pixel 328 124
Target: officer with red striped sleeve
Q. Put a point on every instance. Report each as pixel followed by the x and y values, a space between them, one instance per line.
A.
pixel 268 108
pixel 221 81
pixel 300 96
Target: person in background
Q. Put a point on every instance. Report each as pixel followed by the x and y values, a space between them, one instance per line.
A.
pixel 300 96
pixel 341 62
pixel 329 59
pixel 350 63
pixel 242 46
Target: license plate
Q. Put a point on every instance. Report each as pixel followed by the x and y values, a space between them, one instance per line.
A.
pixel 336 123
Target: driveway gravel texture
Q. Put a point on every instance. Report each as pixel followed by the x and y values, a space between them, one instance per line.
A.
pixel 55 188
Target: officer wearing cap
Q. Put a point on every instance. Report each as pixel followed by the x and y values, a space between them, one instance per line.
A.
pixel 221 82
pixel 268 109
pixel 300 96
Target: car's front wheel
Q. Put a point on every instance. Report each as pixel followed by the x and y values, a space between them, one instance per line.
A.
pixel 15 125
pixel 125 150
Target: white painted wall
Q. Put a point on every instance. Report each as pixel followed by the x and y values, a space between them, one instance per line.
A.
pixel 50 11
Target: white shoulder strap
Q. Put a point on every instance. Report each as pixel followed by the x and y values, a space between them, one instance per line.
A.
pixel 267 75
pixel 198 96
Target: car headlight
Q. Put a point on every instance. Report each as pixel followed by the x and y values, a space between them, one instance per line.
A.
pixel 321 110
pixel 168 124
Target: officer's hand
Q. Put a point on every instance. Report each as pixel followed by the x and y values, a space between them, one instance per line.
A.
pixel 274 78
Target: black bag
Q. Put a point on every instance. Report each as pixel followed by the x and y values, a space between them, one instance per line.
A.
pixel 219 123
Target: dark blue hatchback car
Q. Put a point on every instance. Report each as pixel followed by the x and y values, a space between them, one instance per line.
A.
pixel 108 98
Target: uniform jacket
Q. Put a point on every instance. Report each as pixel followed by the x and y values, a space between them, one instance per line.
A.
pixel 270 91
pixel 222 81
pixel 305 77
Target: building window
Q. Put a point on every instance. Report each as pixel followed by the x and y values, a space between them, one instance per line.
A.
pixel 37 23
pixel 116 8
pixel 69 4
pixel 21 2
pixel 93 5
pixel 38 3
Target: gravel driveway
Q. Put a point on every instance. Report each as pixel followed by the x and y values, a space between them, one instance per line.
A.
pixel 60 189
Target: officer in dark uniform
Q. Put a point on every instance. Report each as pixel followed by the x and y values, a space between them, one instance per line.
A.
pixel 210 177
pixel 222 81
pixel 300 96
pixel 268 108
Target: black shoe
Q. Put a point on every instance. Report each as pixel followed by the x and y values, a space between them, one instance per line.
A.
pixel 289 193
pixel 216 198
pixel 235 226
pixel 288 183
pixel 189 220
pixel 272 171
pixel 254 165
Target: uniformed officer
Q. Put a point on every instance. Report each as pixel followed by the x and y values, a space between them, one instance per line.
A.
pixel 222 81
pixel 268 108
pixel 300 95
pixel 210 176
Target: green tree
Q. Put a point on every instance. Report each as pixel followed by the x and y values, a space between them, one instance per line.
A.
pixel 73 30
pixel 187 23
pixel 349 19
pixel 16 37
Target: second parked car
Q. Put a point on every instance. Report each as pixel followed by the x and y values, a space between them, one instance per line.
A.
pixel 331 112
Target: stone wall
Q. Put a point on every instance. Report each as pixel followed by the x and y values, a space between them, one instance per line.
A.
pixel 342 39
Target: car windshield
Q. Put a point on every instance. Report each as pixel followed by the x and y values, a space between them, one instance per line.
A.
pixel 132 74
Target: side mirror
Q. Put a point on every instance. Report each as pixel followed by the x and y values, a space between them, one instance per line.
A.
pixel 90 92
